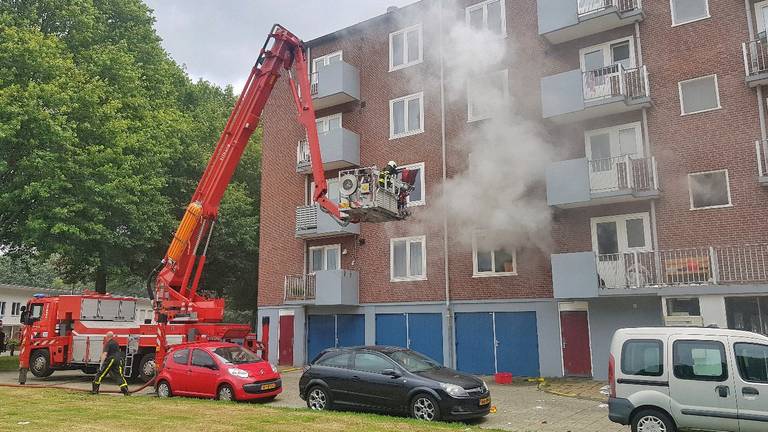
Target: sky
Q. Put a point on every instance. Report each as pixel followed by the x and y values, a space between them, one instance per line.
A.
pixel 218 40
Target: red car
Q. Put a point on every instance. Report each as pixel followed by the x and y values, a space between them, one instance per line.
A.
pixel 220 370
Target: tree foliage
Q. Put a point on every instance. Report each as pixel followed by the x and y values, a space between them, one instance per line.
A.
pixel 103 138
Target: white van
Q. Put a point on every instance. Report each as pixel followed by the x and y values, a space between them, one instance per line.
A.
pixel 667 379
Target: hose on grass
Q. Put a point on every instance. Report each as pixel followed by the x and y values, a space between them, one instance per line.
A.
pixel 53 386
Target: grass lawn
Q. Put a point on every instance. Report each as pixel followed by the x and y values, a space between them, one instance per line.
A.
pixel 9 363
pixel 59 410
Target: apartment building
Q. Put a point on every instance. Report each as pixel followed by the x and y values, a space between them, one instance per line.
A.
pixel 656 115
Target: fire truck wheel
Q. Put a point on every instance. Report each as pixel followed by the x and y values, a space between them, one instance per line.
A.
pixel 40 363
pixel 146 367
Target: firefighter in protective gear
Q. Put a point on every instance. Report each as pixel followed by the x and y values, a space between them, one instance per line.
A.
pixel 387 174
pixel 111 362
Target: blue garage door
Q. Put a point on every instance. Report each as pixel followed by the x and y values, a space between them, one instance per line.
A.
pixel 321 334
pixel 350 330
pixel 425 331
pixel 474 343
pixel 514 335
pixel 518 343
pixel 390 330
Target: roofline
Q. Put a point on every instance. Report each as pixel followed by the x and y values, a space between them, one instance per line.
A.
pixel 357 26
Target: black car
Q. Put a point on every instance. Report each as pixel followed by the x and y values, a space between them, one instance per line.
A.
pixel 392 379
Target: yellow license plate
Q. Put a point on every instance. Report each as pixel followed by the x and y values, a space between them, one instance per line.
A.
pixel 268 386
pixel 485 401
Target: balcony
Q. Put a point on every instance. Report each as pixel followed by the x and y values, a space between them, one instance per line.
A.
pixel 566 20
pixel 583 182
pixel 762 159
pixel 339 148
pixel 313 223
pixel 335 84
pixel 577 95
pixel 323 288
pixel 756 62
pixel 669 272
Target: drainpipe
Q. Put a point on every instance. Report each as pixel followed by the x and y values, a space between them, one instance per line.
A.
pixel 448 307
pixel 760 97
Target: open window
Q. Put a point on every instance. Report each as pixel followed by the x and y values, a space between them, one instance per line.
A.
pixel 710 189
pixel 490 257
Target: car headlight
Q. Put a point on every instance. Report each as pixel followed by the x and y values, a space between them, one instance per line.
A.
pixel 238 373
pixel 485 387
pixel 274 368
pixel 454 390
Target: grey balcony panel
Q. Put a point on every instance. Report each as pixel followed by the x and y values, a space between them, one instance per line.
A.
pixel 337 288
pixel 562 20
pixel 574 275
pixel 339 148
pixel 562 94
pixel 336 83
pixel 311 222
pixel 568 182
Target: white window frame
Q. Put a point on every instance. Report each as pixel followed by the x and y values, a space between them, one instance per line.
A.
pixel 607 46
pixel 325 249
pixel 325 120
pixel 680 95
pixel 492 273
pixel 420 97
pixel 325 58
pixel 470 115
pixel 613 132
pixel 2 308
pixel 727 185
pixel 672 13
pixel 484 6
pixel 408 240
pixel 15 309
pixel 423 200
pixel 311 200
pixel 621 227
pixel 759 16
pixel 405 32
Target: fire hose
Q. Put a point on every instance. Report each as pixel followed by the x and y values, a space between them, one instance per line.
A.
pixel 60 387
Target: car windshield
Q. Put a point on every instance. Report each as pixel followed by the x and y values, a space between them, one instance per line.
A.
pixel 413 361
pixel 236 355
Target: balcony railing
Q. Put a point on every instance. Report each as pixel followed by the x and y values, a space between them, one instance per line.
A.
pixel 303 158
pixel 713 265
pixel 623 173
pixel 587 7
pixel 300 287
pixel 762 160
pixel 313 80
pixel 755 57
pixel 614 81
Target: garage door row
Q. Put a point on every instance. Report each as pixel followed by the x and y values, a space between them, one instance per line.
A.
pixel 486 342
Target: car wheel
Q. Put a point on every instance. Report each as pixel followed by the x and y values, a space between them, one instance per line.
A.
pixel 225 393
pixel 146 367
pixel 650 420
pixel 318 399
pixel 164 389
pixel 424 407
pixel 40 364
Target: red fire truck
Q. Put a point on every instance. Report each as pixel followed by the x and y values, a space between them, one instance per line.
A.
pixel 66 332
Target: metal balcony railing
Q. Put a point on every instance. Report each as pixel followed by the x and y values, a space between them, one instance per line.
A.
pixel 755 57
pixel 615 80
pixel 313 80
pixel 306 217
pixel 762 158
pixel 623 173
pixel 712 265
pixel 591 6
pixel 303 158
pixel 300 287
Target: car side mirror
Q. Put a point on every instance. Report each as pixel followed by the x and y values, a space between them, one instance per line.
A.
pixel 391 373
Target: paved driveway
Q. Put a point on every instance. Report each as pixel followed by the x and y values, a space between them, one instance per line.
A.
pixel 520 408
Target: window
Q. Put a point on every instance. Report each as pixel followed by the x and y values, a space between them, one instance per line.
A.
pixel 709 189
pixel 491 259
pixel 324 258
pixel 488 15
pixel 752 360
pixel 408 258
pixel 329 123
pixel 15 309
pixel 700 360
pixel 699 95
pixel 335 359
pixel 368 362
pixel 181 356
pixel 320 63
pixel 405 48
pixel 642 357
pixel 620 51
pixel 685 11
pixel 333 190
pixel 2 308
pixel 406 115
pixel 487 94
pixel 202 359
pixel 417 196
pixel 622 233
pixel 688 306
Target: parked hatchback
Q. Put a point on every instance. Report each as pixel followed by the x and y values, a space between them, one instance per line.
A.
pixel 684 378
pixel 220 370
pixel 395 380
